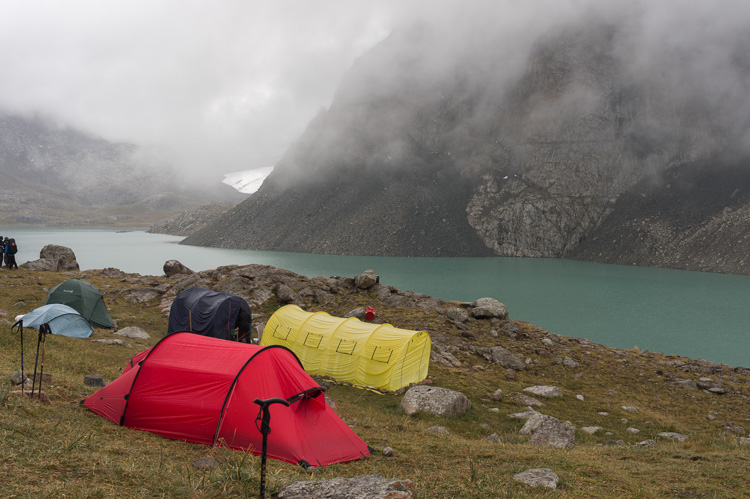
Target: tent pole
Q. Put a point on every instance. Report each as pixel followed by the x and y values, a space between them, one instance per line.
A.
pixel 264 416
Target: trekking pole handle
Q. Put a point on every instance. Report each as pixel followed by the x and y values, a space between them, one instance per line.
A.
pixel 265 415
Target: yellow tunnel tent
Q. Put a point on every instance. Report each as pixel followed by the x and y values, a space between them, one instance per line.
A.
pixel 374 355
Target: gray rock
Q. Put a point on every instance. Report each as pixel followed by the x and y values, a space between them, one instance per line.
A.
pixel 647 443
pixel 628 408
pixel 18 377
pixel 388 452
pixel 614 443
pixel 360 487
pixel 591 429
pixel 285 294
pixel 54 258
pixel 440 430
pixel 745 440
pixel 133 332
pixel 142 295
pixel 547 391
pixel 570 363
pixel 548 431
pixel 367 279
pixel 580 397
pixel 633 431
pixel 359 313
pixel 523 415
pixel 113 342
pixel 112 272
pixel 174 267
pixel 93 380
pixel 488 308
pixel 523 399
pixel 494 438
pixel 497 394
pixel 547 342
pixel 686 383
pixel 504 358
pixel 435 400
pixel 538 477
pixel 674 436
pixel 735 429
pixel 457 314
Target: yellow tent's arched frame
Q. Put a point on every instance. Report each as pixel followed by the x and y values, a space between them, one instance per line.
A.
pixel 374 355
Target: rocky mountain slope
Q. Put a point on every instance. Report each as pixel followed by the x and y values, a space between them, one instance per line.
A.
pixel 57 175
pixel 430 152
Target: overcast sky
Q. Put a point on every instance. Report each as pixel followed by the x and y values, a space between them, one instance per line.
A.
pixel 224 85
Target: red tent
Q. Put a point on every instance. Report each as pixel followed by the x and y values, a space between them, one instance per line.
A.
pixel 201 389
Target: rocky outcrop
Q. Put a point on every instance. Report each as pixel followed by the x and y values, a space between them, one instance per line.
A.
pixel 369 486
pixel 174 267
pixel 54 258
pixel 190 221
pixel 435 400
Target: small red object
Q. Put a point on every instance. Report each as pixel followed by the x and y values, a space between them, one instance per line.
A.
pixel 370 313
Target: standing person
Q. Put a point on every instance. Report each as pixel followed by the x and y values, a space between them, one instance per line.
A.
pixel 2 244
pixel 5 250
pixel 10 250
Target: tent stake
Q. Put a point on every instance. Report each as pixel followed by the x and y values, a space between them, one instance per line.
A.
pixel 264 416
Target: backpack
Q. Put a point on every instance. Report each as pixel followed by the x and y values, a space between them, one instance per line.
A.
pixel 12 248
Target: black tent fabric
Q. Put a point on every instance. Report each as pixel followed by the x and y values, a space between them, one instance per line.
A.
pixel 209 313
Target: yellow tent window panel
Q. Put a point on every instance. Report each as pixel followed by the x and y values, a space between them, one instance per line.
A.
pixel 346 347
pixel 380 354
pixel 313 340
pixel 281 332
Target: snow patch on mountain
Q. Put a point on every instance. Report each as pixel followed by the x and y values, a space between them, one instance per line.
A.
pixel 247 181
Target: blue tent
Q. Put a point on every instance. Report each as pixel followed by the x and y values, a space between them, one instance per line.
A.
pixel 62 320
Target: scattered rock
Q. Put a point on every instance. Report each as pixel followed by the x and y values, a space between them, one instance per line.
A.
pixel 457 314
pixel 205 463
pixel 93 380
pixel 388 452
pixel 112 272
pixel 547 391
pixel 488 308
pixel 18 377
pixel 133 332
pixel 633 431
pixel 735 429
pixel 523 415
pixel 497 394
pixel 523 399
pixel 548 431
pixel 367 279
pixel 547 342
pixel 686 383
pixel 628 408
pixel 440 430
pixel 674 436
pixel 502 357
pixel 174 267
pixel 142 295
pixel 580 397
pixel 494 438
pixel 570 363
pixel 435 400
pixel 647 443
pixel 359 313
pixel 613 443
pixel 364 486
pixel 591 429
pixel 537 477
pixel 285 294
pixel 745 440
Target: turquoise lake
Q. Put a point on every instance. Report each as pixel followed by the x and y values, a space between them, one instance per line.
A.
pixel 695 314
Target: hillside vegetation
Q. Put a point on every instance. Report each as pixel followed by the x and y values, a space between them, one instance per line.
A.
pixel 65 450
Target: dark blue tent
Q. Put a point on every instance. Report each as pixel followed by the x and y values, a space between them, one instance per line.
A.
pixel 210 313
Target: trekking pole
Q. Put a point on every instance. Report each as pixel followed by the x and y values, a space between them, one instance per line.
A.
pixel 45 330
pixel 36 362
pixel 19 325
pixel 264 416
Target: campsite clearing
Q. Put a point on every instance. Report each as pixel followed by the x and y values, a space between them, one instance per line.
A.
pixel 66 449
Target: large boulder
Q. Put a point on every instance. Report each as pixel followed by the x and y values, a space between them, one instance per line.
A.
pixel 174 267
pixel 489 308
pixel 54 258
pixel 364 486
pixel 435 400
pixel 548 431
pixel 367 279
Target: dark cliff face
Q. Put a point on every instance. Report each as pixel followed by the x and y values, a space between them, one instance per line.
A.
pixel 435 151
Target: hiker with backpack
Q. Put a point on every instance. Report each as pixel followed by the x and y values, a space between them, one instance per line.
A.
pixel 10 253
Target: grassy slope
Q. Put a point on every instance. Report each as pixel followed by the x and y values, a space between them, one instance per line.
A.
pixel 64 449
